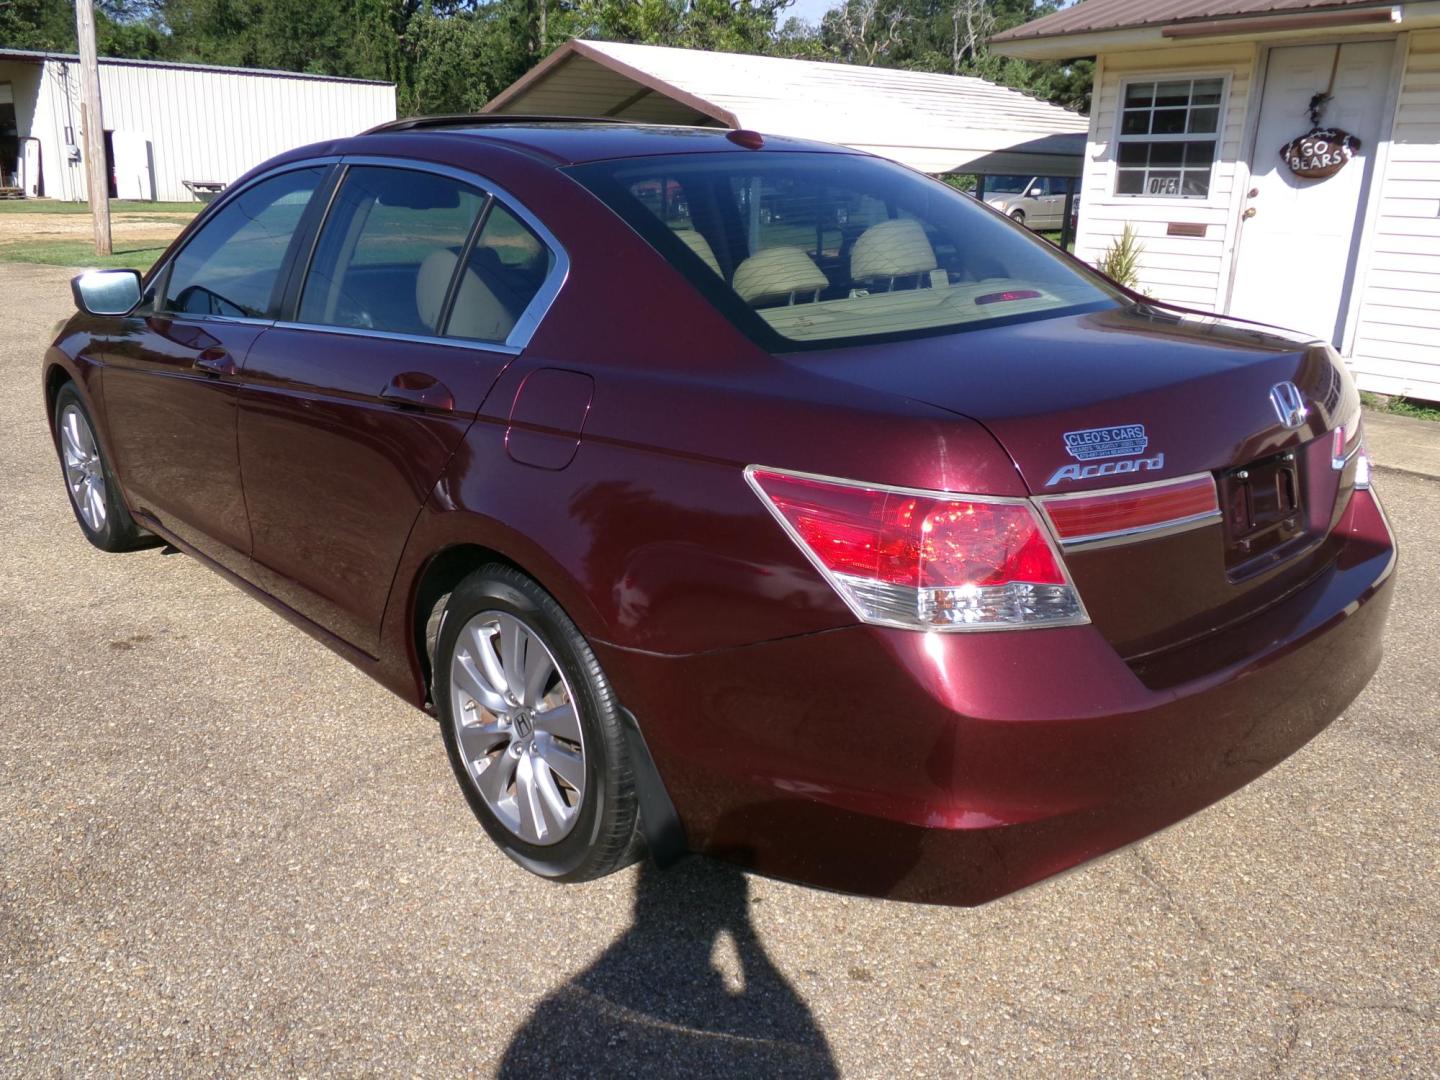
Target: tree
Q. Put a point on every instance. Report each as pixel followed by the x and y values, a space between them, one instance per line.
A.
pixel 724 25
pixel 122 27
pixel 971 24
pixel 864 31
pixel 37 24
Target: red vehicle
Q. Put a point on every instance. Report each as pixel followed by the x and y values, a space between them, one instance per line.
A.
pixel 740 495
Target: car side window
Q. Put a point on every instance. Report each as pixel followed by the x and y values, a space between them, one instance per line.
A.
pixel 388 250
pixel 231 265
pixel 504 272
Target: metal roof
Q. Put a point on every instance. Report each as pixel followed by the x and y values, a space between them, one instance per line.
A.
pixel 28 56
pixel 1096 15
pixel 935 123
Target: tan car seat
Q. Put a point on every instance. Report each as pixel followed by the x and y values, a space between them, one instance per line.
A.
pixel 780 273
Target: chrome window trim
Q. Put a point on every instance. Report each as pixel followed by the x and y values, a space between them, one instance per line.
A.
pixel 535 312
pixel 1170 527
pixel 185 316
pixel 391 335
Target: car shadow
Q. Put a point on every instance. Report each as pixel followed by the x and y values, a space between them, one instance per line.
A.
pixel 661 1002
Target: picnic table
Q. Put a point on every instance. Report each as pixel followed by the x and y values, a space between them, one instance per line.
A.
pixel 204 190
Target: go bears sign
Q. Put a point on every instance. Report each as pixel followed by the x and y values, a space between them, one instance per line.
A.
pixel 1319 153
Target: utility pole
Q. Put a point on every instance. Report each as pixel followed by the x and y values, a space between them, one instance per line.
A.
pixel 92 119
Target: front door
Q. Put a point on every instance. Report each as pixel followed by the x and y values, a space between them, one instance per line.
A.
pixel 1298 238
pixel 170 384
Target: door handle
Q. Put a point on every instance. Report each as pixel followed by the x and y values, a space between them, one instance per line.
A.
pixel 215 361
pixel 1249 213
pixel 419 390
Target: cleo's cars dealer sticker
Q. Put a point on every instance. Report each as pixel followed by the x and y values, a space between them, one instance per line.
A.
pixel 1126 440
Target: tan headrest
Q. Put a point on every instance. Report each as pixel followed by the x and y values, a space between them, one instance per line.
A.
pixel 430 285
pixel 892 249
pixel 477 313
pixel 700 246
pixel 776 274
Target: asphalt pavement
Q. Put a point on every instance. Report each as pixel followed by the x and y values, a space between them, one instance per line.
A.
pixel 223 850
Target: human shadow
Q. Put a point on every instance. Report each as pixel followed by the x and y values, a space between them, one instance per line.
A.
pixel 657 1004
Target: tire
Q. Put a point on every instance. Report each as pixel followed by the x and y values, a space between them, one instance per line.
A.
pixel 545 767
pixel 94 496
pixel 1017 216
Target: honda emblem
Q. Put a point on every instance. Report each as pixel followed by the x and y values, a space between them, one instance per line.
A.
pixel 1289 405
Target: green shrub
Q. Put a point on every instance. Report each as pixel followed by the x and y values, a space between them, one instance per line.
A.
pixel 1121 263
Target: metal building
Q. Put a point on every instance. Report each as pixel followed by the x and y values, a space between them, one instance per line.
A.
pixel 166 123
pixel 934 123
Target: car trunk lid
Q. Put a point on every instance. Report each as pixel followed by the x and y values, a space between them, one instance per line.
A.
pixel 1147 395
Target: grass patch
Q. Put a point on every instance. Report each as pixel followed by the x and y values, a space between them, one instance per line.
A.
pixel 1399 406
pixel 1054 238
pixel 117 206
pixel 81 253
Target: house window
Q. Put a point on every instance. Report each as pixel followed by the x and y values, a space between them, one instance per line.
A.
pixel 1168 136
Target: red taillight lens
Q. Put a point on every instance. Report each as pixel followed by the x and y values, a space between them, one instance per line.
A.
pixel 981 543
pixel 924 559
pixel 1348 441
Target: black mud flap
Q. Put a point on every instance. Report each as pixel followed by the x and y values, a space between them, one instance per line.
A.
pixel 664 833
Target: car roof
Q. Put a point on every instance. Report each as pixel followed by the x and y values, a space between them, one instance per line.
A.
pixel 576 140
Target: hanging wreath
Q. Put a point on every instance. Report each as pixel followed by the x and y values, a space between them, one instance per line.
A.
pixel 1320 152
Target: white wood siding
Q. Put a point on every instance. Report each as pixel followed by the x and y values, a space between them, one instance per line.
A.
pixel 1193 271
pixel 202 123
pixel 1397 341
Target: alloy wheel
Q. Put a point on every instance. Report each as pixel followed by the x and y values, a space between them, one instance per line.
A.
pixel 84 471
pixel 517 728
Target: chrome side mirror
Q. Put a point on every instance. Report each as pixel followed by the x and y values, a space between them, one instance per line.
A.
pixel 107 292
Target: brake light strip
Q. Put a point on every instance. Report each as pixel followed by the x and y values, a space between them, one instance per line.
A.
pixel 1136 512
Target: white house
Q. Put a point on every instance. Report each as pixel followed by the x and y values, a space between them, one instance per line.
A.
pixel 166 123
pixel 1194 101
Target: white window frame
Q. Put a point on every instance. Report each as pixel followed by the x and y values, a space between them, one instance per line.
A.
pixel 1208 199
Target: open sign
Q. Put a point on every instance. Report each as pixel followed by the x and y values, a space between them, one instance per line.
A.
pixel 1319 153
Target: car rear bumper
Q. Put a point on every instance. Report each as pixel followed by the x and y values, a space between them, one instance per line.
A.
pixel 955 768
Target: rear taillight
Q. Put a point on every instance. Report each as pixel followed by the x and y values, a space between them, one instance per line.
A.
pixel 924 560
pixel 1348 441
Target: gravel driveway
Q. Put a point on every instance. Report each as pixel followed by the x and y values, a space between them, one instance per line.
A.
pixel 224 850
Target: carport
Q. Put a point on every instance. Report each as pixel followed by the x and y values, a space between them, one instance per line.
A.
pixel 935 123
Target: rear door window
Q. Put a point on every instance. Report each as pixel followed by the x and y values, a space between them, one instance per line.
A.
pixel 388 251
pixel 232 264
pixel 504 272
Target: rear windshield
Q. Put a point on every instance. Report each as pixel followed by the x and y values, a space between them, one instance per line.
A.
pixel 812 250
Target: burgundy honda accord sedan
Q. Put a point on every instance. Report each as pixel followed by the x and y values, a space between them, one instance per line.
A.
pixel 740 495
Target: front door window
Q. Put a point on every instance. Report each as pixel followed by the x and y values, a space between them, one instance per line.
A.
pixel 231 268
